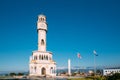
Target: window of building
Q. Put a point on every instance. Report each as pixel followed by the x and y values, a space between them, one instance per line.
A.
pixel 42 42
pixel 35 57
pixel 40 57
pixel 46 57
pixel 35 69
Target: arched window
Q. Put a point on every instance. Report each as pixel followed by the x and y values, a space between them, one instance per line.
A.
pixel 50 58
pixel 40 19
pixel 35 57
pixel 40 57
pixel 42 42
pixel 43 19
pixel 46 57
pixel 51 67
pixel 43 71
pixel 51 70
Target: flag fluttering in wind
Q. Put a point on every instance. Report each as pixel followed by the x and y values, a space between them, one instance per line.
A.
pixel 95 53
pixel 79 56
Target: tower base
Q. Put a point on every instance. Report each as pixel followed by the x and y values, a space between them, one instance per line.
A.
pixel 41 64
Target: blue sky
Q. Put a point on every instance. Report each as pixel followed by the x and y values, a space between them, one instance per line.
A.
pixel 73 26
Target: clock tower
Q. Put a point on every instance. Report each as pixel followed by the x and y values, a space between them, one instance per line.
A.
pixel 41 62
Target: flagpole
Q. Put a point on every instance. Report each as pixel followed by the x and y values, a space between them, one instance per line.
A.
pixel 78 65
pixel 79 56
pixel 94 66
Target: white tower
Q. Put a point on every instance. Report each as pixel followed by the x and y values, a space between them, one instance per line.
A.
pixel 41 62
pixel 41 28
pixel 69 67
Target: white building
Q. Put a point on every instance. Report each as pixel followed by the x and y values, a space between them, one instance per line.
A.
pixel 41 62
pixel 110 71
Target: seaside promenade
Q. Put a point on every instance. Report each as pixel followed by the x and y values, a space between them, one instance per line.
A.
pixel 39 78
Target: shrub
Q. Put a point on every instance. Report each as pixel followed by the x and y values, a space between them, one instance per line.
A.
pixel 12 74
pixel 20 74
pixel 115 76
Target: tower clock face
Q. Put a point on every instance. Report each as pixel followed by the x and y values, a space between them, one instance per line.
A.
pixel 42 25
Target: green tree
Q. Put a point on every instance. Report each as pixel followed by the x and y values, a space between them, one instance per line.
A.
pixel 99 72
pixel 12 74
pixel 115 76
pixel 63 72
pixel 20 74
pixel 6 74
pixel 73 74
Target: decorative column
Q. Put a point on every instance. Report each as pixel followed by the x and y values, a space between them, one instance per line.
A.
pixel 69 67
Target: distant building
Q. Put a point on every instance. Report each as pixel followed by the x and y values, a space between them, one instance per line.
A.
pixel 110 71
pixel 90 72
pixel 41 62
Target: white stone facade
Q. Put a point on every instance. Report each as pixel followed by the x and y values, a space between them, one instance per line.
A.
pixel 41 63
pixel 110 71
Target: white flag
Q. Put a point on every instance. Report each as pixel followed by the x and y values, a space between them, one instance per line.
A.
pixel 95 53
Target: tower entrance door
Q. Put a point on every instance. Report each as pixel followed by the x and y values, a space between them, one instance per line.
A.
pixel 43 71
